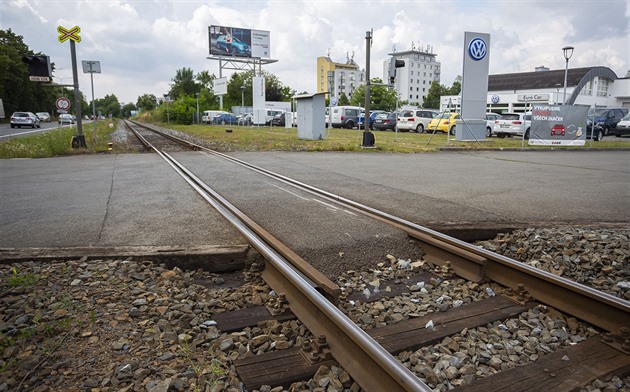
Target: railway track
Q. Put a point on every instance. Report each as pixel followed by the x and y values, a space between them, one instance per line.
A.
pixel 368 355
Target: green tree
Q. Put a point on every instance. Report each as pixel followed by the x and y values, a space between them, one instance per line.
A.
pixel 183 84
pixel 146 102
pixel 436 91
pixel 16 90
pixel 126 110
pixel 343 100
pixel 108 106
pixel 381 97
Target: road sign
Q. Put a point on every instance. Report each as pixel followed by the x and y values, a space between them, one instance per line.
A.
pixel 72 34
pixel 62 103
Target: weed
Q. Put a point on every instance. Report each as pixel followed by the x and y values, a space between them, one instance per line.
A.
pixel 22 280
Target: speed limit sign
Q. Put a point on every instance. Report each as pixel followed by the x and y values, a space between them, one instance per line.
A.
pixel 62 103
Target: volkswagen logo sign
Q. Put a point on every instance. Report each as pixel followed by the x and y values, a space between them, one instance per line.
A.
pixel 477 49
pixel 495 99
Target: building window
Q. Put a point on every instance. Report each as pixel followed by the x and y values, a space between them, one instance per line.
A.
pixel 587 89
pixel 602 87
pixel 410 89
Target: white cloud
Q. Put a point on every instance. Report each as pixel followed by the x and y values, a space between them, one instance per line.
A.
pixel 141 44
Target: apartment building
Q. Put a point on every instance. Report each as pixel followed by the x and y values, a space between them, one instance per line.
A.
pixel 414 79
pixel 338 78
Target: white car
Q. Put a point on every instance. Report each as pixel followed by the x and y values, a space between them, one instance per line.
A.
pixel 415 119
pixel 66 119
pixel 513 124
pixel 491 118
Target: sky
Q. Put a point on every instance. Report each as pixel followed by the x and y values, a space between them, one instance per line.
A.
pixel 141 44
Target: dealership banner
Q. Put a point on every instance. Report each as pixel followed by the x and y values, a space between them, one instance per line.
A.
pixel 234 41
pixel 558 125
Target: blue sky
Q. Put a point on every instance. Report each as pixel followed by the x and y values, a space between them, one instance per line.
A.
pixel 141 44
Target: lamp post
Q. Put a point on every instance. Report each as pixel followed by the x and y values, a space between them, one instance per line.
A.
pixel 242 99
pixel 568 52
pixel 168 120
pixel 197 94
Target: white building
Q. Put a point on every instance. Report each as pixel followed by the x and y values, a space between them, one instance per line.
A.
pixel 414 79
pixel 338 78
pixel 516 92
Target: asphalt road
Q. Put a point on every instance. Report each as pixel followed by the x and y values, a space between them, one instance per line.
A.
pixel 6 132
pixel 136 199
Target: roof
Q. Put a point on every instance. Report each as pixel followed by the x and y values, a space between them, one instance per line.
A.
pixel 543 79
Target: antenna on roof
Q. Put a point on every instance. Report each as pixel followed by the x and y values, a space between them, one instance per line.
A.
pixel 394 50
pixel 413 46
pixel 328 54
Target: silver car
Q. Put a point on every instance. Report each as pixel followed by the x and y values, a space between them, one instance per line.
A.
pixel 24 119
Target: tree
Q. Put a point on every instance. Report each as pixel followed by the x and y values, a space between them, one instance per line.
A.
pixel 146 102
pixel 127 109
pixel 108 105
pixel 436 91
pixel 16 90
pixel 381 97
pixel 183 84
pixel 343 100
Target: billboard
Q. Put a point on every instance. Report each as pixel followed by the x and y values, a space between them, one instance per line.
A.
pixel 234 41
pixel 558 125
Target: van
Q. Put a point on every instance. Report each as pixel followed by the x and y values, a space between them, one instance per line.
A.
pixel 345 116
pixel 606 118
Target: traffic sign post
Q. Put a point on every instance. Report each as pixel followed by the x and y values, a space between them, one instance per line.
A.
pixel 73 35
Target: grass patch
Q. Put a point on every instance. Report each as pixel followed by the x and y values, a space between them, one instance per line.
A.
pixel 57 141
pixel 247 138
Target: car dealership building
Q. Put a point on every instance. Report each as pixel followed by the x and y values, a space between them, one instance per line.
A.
pixel 516 92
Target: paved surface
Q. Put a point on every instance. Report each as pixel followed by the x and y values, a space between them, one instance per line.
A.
pixel 136 199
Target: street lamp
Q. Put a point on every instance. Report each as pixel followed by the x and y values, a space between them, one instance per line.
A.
pixel 168 121
pixel 568 52
pixel 242 99
pixel 197 94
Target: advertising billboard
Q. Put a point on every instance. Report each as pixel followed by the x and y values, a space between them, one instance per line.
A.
pixel 234 41
pixel 558 125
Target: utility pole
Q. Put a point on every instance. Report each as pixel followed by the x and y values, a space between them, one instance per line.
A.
pixel 368 137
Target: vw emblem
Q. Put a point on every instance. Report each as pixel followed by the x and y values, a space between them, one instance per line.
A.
pixel 477 49
pixel 495 99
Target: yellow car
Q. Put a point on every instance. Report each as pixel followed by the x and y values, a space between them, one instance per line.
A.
pixel 444 122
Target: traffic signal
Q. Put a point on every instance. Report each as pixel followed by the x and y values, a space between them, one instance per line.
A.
pixel 393 64
pixel 38 67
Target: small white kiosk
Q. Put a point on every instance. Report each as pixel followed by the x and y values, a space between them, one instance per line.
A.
pixel 311 113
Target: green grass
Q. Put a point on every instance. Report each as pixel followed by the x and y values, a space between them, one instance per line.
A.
pixel 282 139
pixel 56 142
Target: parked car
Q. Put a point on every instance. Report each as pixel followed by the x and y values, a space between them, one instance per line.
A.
pixel 66 119
pixel 606 118
pixel 24 119
pixel 345 116
pixel 444 122
pixel 43 116
pixel 225 118
pixel 513 124
pixel 491 118
pixel 279 120
pixel 415 119
pixel 245 119
pixel 233 45
pixel 623 126
pixel 385 121
pixel 373 114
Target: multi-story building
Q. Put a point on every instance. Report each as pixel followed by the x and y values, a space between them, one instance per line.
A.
pixel 338 78
pixel 414 79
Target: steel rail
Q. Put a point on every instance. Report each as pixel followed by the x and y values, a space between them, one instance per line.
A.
pixel 370 365
pixel 471 262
